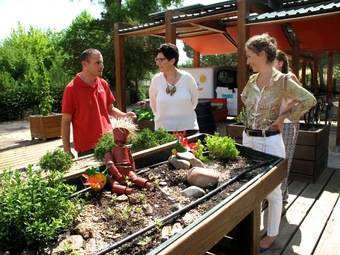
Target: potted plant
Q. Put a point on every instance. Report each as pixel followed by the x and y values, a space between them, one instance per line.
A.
pixel 235 129
pixel 46 124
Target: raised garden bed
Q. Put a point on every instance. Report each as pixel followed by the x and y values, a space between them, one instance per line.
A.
pixel 135 225
pixel 311 152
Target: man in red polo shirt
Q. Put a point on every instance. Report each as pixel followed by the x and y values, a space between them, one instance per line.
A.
pixel 87 104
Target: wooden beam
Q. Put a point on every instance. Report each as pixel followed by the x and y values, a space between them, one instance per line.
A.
pixel 213 27
pixel 170 29
pixel 330 76
pixel 119 69
pixel 315 71
pixel 197 56
pixel 303 73
pixel 193 34
pixel 243 34
pixel 337 148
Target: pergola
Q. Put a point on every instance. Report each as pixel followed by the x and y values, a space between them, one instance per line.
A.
pixel 303 28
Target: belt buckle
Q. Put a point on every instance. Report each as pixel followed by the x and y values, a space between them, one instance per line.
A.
pixel 263 133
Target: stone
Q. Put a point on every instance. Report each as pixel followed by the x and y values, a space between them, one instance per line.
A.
pixel 185 155
pixel 85 230
pixel 166 232
pixel 193 192
pixel 202 177
pixel 196 162
pixel 179 163
pixel 177 227
pixel 162 183
pixel 148 210
pixel 74 241
pixel 122 198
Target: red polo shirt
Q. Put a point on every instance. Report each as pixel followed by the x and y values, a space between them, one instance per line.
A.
pixel 88 106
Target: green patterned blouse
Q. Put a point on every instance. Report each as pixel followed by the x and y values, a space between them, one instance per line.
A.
pixel 263 106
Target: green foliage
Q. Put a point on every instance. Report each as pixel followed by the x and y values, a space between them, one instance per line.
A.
pixel 26 61
pixel 199 153
pixel 34 209
pixel 144 114
pixel 105 144
pixel 58 160
pixel 221 147
pixel 240 118
pixel 147 139
pixel 86 32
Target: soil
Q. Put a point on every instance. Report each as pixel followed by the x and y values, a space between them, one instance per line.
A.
pixel 106 218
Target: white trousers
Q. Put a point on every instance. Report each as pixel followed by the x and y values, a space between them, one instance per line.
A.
pixel 271 145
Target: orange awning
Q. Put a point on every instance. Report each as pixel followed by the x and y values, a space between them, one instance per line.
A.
pixel 210 44
pixel 315 34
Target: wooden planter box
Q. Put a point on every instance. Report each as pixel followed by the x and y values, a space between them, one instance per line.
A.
pixel 240 210
pixel 235 130
pixel 45 127
pixel 311 152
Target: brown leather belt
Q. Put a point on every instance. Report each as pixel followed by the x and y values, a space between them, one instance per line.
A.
pixel 261 133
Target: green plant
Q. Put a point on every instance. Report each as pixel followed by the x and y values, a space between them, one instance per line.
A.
pixel 147 139
pixel 34 208
pixel 240 118
pixel 159 224
pixel 221 147
pixel 199 151
pixel 144 114
pixel 105 144
pixel 57 160
pixel 144 241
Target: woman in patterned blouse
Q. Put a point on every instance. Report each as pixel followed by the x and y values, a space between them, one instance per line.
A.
pixel 262 97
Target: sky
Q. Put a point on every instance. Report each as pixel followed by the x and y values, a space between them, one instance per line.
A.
pixel 53 14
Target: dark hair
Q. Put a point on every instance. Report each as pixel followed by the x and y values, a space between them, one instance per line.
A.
pixel 264 42
pixel 281 56
pixel 169 51
pixel 85 55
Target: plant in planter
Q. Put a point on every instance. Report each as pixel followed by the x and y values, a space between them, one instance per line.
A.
pixel 46 124
pixel 221 147
pixel 147 138
pixel 235 130
pixel 34 209
pixel 144 118
pixel 57 160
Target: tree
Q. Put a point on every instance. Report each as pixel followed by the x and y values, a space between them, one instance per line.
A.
pixel 26 59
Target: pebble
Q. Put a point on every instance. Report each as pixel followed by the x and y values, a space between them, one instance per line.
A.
pixel 193 191
pixel 179 163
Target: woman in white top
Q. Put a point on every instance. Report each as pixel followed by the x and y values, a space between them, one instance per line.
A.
pixel 173 94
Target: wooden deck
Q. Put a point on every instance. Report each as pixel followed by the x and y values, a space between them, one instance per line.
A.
pixel 310 221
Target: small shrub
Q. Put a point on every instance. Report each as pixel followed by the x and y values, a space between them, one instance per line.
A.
pixel 221 147
pixel 33 209
pixel 105 144
pixel 199 153
pixel 147 139
pixel 57 160
pixel 144 114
